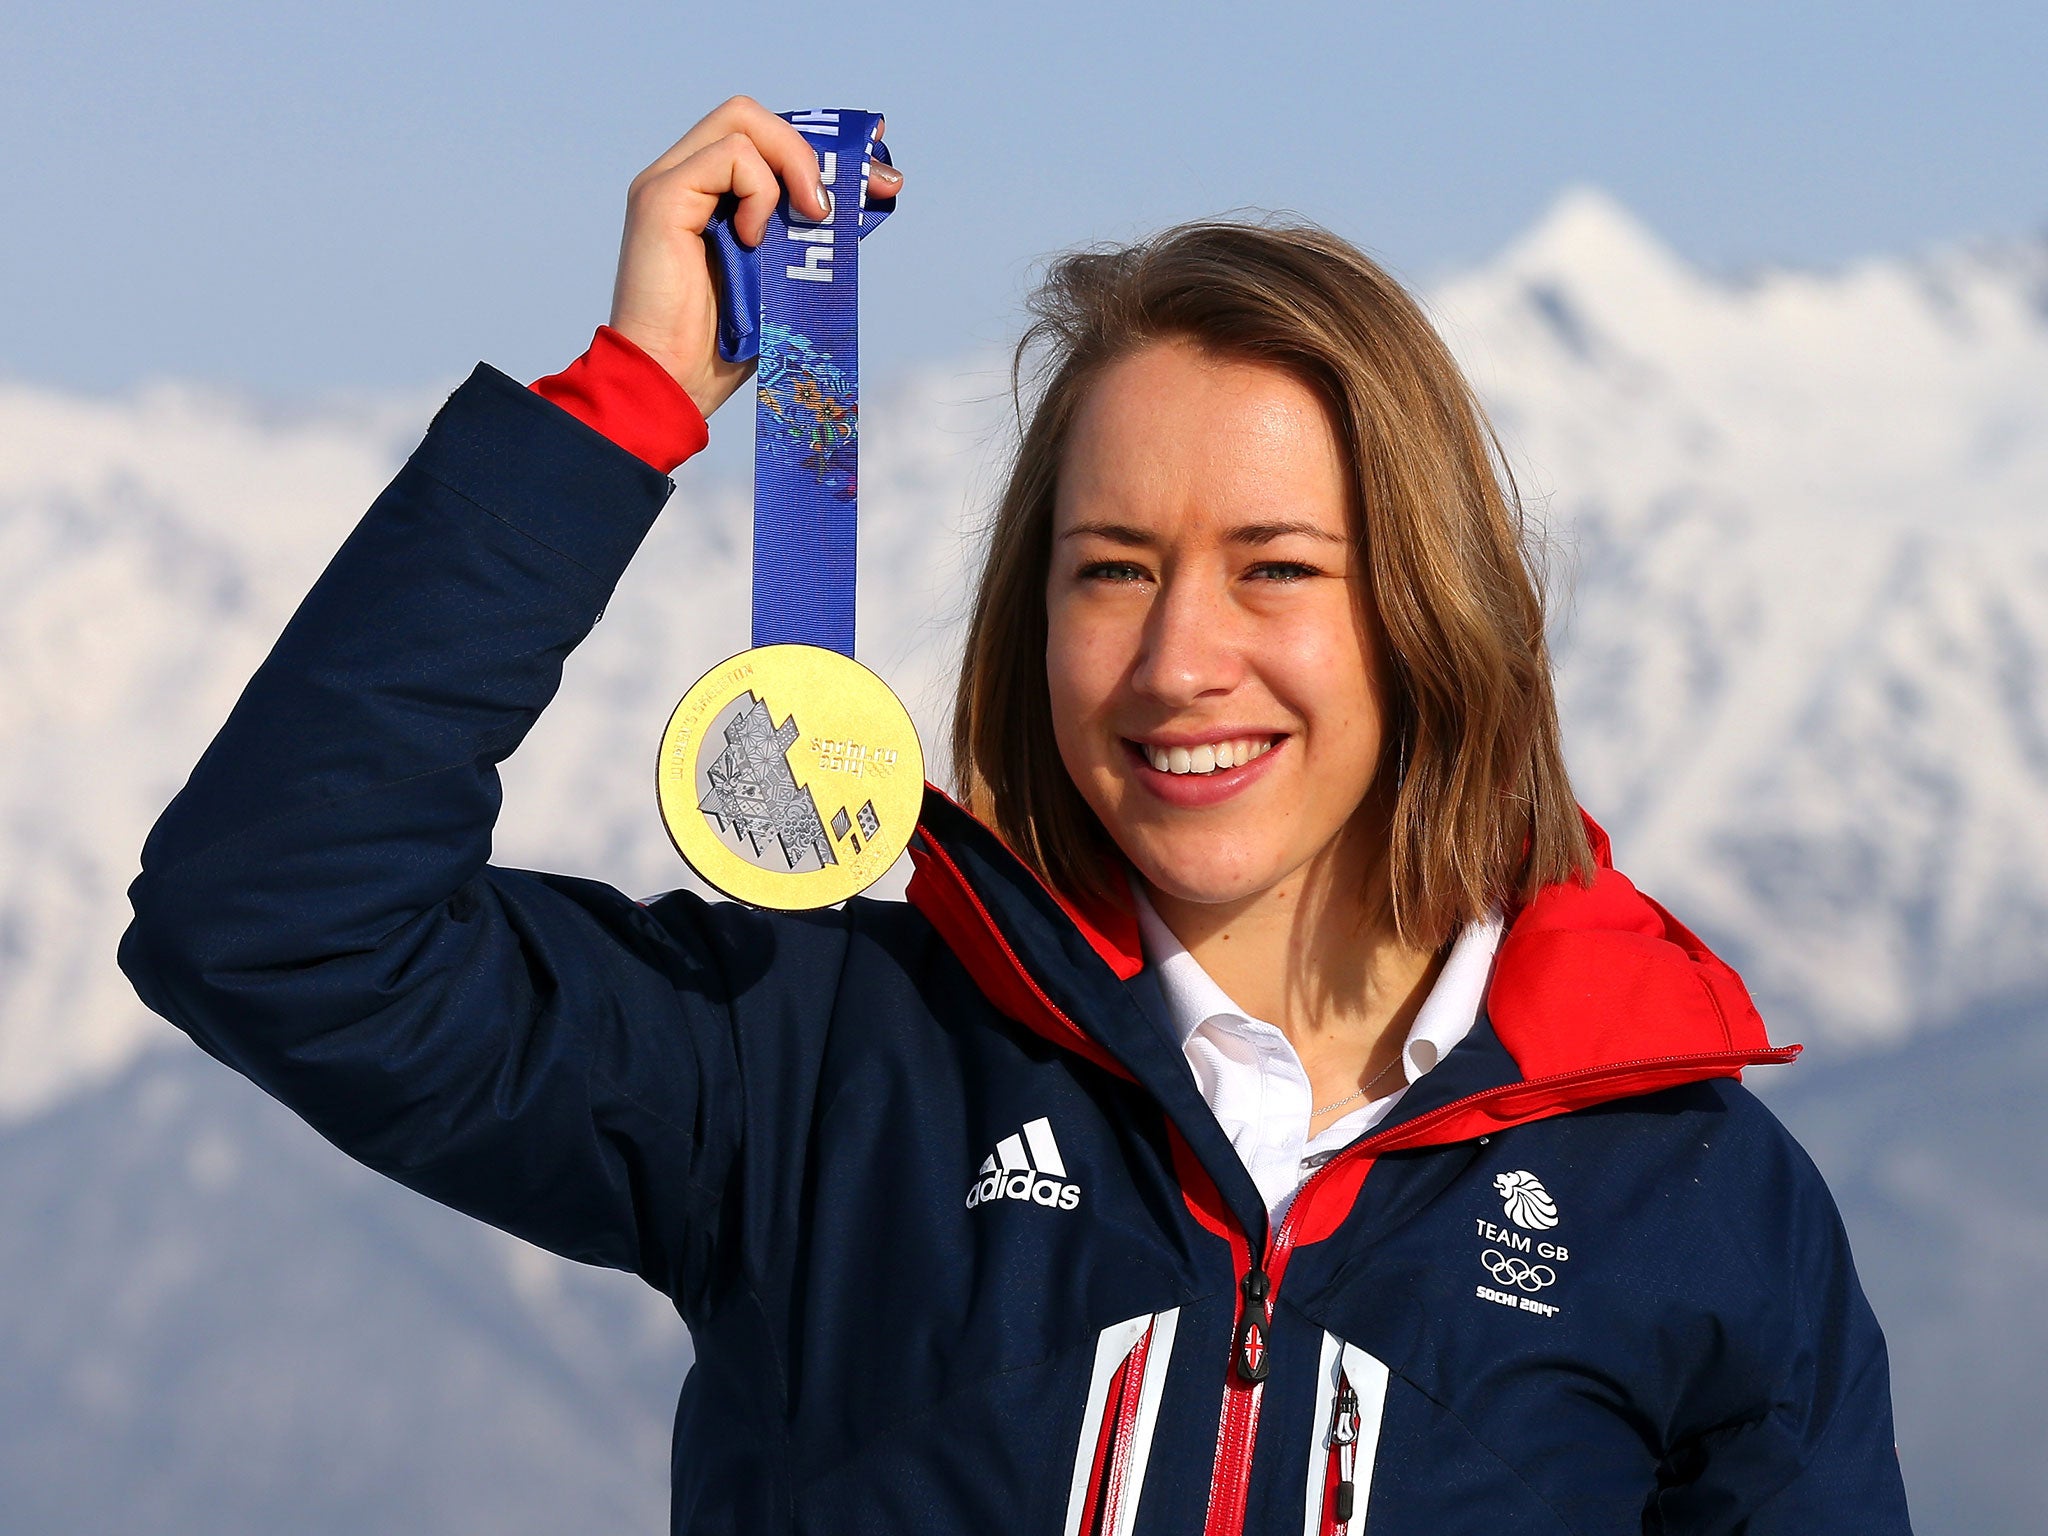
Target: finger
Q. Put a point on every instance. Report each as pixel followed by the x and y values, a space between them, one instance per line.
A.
pixel 737 114
pixel 752 179
pixel 776 141
pixel 797 164
pixel 687 196
pixel 708 130
pixel 786 149
pixel 884 180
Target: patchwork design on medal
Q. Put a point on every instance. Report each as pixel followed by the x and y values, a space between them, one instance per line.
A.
pixel 753 799
pixel 750 795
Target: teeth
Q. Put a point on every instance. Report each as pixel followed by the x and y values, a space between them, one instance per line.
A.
pixel 1209 757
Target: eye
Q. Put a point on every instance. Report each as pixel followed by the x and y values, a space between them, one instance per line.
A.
pixel 1283 571
pixel 1110 571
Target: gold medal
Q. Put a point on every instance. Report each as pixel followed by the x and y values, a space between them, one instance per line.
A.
pixel 790 777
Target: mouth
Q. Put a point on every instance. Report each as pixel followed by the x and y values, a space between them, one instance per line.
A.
pixel 1194 775
pixel 1205 757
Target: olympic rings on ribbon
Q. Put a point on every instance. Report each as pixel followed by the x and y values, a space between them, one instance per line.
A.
pixel 1519 1273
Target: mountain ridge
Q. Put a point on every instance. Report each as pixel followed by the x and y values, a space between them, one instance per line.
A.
pixel 1697 448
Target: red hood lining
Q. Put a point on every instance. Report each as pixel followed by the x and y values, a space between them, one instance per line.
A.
pixel 949 903
pixel 1109 924
pixel 1597 992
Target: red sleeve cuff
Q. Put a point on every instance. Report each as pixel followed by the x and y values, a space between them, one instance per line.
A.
pixel 617 389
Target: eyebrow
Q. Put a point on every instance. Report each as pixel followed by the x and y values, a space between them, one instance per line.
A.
pixel 1253 534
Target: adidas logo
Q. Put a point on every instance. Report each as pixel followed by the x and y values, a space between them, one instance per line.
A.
pixel 1026 1166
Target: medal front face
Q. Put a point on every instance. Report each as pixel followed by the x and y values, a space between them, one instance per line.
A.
pixel 790 777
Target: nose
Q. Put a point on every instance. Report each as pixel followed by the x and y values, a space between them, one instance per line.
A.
pixel 1192 646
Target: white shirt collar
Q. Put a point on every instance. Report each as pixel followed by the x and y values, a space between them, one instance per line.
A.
pixel 1446 1017
pixel 1251 1076
pixel 1452 1007
pixel 1192 996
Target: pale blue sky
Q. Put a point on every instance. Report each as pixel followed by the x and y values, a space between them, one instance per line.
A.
pixel 297 197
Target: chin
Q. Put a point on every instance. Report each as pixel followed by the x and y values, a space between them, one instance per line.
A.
pixel 1202 871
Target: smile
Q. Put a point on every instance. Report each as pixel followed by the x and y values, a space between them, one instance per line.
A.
pixel 1209 757
pixel 1203 774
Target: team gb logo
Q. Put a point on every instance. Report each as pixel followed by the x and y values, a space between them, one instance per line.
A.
pixel 1528 1202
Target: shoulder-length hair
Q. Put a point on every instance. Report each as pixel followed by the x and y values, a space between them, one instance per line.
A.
pixel 1483 813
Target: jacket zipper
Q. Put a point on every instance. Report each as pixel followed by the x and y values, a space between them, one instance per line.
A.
pixel 1250 1362
pixel 1344 1454
pixel 1244 1382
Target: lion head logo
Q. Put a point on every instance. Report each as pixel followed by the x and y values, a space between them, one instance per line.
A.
pixel 1528 1203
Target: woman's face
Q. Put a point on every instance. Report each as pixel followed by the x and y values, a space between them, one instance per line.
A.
pixel 1216 685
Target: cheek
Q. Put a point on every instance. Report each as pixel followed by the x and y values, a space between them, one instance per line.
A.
pixel 1072 663
pixel 1088 654
pixel 1332 670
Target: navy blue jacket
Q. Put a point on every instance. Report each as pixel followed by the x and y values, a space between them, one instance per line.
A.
pixel 960 1246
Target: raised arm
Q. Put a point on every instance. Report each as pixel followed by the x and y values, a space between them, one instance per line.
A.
pixel 316 907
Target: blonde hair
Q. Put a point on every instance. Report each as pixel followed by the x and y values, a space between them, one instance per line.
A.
pixel 1483 814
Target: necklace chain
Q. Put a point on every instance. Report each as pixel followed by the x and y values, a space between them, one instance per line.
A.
pixel 1361 1093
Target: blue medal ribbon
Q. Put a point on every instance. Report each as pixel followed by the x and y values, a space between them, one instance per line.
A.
pixel 793 303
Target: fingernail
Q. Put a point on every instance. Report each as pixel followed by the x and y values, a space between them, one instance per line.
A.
pixel 825 197
pixel 888 175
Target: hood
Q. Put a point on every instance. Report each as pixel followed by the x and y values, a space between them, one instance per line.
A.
pixel 1597 992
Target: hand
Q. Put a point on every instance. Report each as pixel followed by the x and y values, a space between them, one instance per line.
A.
pixel 665 300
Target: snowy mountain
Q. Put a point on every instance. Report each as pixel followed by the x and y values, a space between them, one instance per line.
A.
pixel 1795 528
pixel 1805 674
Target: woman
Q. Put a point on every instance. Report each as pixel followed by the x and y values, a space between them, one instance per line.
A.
pixel 1272 1114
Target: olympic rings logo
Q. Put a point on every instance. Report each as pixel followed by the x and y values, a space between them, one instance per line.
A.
pixel 1509 1270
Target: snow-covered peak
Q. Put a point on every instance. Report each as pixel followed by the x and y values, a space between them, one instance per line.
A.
pixel 1585 237
pixel 1872 394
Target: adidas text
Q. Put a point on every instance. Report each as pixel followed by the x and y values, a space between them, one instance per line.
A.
pixel 1025 1166
pixel 1035 1187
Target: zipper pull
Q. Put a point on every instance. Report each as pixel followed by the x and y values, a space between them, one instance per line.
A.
pixel 1344 1419
pixel 1344 1438
pixel 1252 1363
